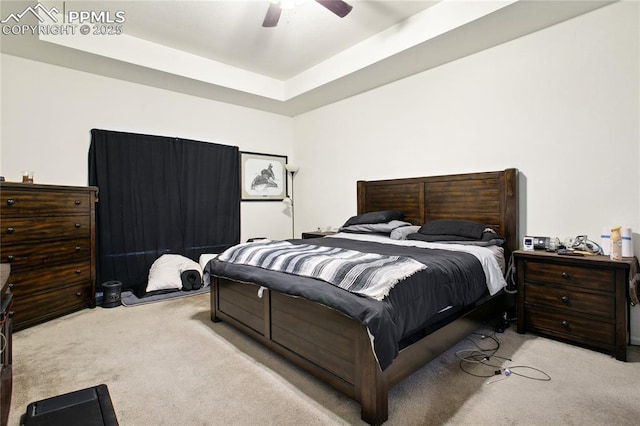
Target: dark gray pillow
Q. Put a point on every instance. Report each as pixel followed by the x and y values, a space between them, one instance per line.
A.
pixel 459 227
pixel 382 216
pixel 487 239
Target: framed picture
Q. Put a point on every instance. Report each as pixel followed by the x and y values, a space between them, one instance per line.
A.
pixel 263 176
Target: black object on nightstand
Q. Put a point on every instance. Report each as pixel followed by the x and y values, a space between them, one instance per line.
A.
pixel 316 234
pixel 86 407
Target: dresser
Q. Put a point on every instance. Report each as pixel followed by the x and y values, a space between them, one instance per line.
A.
pixel 48 237
pixel 579 300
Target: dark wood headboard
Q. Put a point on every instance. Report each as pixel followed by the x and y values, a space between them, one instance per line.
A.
pixel 490 198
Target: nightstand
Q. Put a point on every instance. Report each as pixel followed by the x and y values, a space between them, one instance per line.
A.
pixel 316 234
pixel 579 300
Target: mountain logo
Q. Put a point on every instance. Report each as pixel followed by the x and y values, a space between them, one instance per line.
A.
pixel 35 11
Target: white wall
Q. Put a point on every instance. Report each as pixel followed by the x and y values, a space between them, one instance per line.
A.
pixel 561 105
pixel 48 112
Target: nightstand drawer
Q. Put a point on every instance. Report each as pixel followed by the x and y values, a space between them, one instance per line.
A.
pixel 593 278
pixel 570 327
pixel 565 299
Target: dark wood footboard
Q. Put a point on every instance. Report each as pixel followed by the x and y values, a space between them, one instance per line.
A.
pixel 331 346
pixel 324 342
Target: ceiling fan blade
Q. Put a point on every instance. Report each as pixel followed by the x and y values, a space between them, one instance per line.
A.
pixel 338 7
pixel 273 15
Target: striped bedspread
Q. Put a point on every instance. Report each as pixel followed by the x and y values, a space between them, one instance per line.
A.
pixel 367 274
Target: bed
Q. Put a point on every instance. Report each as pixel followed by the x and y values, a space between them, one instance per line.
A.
pixel 318 336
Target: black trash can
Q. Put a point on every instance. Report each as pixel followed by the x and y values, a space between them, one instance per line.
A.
pixel 111 294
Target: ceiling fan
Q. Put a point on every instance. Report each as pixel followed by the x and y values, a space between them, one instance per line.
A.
pixel 272 17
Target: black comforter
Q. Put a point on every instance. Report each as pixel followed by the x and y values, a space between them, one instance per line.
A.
pixel 451 279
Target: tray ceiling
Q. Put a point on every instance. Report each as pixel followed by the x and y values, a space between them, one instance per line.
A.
pixel 219 49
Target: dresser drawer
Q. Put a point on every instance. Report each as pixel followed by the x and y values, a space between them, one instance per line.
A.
pixel 44 306
pixel 242 302
pixel 566 298
pixel 23 230
pixel 25 202
pixel 41 280
pixel 29 256
pixel 571 327
pixel 592 278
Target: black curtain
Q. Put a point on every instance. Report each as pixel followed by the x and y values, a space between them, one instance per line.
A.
pixel 160 195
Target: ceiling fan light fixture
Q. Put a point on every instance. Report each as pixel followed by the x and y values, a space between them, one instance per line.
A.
pixel 273 14
pixel 338 7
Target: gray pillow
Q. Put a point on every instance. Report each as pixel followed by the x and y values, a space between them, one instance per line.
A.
pixel 402 232
pixel 374 228
pixel 382 216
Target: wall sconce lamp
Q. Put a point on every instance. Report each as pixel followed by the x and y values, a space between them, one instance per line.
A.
pixel 292 169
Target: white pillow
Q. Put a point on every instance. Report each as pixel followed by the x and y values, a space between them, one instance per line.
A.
pixel 204 259
pixel 165 272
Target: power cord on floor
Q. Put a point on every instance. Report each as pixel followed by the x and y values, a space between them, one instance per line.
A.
pixel 511 290
pixel 509 277
pixel 483 357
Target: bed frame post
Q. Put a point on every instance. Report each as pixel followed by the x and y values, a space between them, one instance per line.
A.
pixel 510 211
pixel 371 386
pixel 214 299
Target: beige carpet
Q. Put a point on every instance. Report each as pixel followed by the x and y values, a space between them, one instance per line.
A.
pixel 168 364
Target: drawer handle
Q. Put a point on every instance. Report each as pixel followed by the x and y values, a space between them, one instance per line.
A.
pixel 10 259
pixel 11 202
pixel 78 271
pixel 78 248
pixel 77 225
pixel 565 275
pixel 78 293
pixel 565 299
pixel 11 286
pixel 77 202
pixel 10 230
pixel 565 324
